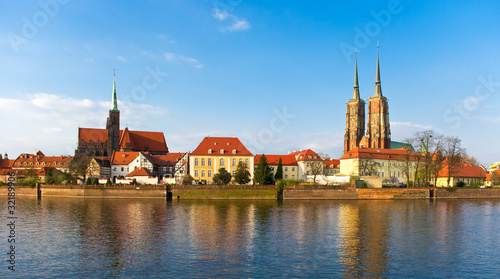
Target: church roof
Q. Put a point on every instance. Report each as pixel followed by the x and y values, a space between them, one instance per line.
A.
pixel 137 140
pixel 398 145
pixel 143 141
pixel 217 146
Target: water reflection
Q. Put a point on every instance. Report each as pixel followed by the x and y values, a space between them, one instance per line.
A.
pixel 352 239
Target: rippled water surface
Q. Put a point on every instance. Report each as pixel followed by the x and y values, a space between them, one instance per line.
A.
pixel 148 238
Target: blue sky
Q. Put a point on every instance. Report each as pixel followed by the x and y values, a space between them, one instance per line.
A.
pixel 276 74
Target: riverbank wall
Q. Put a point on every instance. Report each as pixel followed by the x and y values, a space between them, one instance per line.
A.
pixel 250 192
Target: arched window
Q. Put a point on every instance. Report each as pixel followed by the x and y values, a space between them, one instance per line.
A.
pixel 246 162
pixel 196 162
pixel 209 162
pixel 240 161
pixel 203 162
pixel 221 164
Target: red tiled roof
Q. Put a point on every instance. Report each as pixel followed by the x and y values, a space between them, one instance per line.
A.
pixel 376 153
pixel 230 147
pixel 303 155
pixel 39 160
pixel 495 173
pixel 331 164
pixel 466 170
pixel 87 134
pixel 143 141
pixel 137 140
pixel 169 159
pixel 140 172
pixel 123 157
pixel 6 163
pixel 286 160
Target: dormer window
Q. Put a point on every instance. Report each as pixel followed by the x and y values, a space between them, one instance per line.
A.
pixel 215 143
pixel 228 143
pixel 234 151
pixel 210 151
pixel 222 151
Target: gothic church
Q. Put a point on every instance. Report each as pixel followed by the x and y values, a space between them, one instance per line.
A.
pixel 378 132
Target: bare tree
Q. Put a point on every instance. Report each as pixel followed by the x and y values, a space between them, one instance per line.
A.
pixel 368 166
pixel 454 154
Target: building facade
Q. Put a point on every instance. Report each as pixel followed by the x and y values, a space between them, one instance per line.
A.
pixel 214 153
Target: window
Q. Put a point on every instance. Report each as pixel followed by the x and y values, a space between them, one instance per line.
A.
pixel 382 164
pixel 234 162
pixel 234 173
pixel 222 151
pixel 210 151
pixel 202 173
pixel 196 162
pixel 221 164
pixel 209 173
pixel 196 173
pixel 293 168
pixel 286 176
pixel 209 162
pixel 203 162
pixel 234 151
pixel 383 175
pixel 240 161
pixel 246 162
pixel 399 174
pixel 286 168
pixel 122 168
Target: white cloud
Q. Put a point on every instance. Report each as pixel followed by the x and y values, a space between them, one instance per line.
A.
pixel 121 58
pixel 50 122
pixel 403 130
pixel 234 23
pixel 172 57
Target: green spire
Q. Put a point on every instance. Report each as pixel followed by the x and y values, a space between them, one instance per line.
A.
pixel 355 93
pixel 378 87
pixel 114 105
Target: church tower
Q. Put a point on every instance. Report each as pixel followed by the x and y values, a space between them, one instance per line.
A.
pixel 355 116
pixel 378 132
pixel 113 124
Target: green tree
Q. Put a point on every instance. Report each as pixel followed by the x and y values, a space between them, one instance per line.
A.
pixel 263 173
pixel 79 168
pixel 279 171
pixel 242 175
pixel 222 177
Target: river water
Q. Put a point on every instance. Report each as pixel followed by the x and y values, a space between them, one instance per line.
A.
pixel 152 238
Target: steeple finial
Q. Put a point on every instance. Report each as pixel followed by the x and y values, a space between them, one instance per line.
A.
pixel 114 102
pixel 355 93
pixel 378 88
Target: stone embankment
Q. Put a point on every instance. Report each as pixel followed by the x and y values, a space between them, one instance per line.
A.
pixel 250 192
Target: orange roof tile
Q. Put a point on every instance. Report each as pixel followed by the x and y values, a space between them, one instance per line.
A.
pixel 123 157
pixel 39 160
pixel 170 159
pixel 466 170
pixel 331 164
pixel 216 146
pixel 140 172
pixel 286 160
pixel 143 141
pixel 306 155
pixel 376 153
pixel 88 134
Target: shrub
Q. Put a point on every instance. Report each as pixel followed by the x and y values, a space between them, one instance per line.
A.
pixel 108 182
pixel 291 182
pixel 460 184
pixel 364 185
pixel 280 186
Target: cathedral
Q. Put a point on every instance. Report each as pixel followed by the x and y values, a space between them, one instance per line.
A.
pixel 378 131
pixel 103 142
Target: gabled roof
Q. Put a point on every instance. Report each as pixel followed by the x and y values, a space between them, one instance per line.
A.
pixel 102 162
pixel 306 155
pixel 465 170
pixel 136 140
pixel 217 146
pixel 169 159
pixel 88 134
pixel 123 157
pixel 6 163
pixel 493 174
pixel 331 164
pixel 273 160
pixel 378 153
pixel 39 160
pixel 140 172
pixel 143 141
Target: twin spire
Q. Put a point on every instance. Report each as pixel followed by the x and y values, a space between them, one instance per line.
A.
pixel 378 87
pixel 114 102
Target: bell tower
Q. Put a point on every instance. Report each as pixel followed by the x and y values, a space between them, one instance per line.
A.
pixel 355 116
pixel 378 131
pixel 113 124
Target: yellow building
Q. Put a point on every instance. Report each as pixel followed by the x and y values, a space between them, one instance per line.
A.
pixel 384 163
pixel 214 153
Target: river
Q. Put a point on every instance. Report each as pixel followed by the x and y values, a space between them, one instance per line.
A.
pixel 152 238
